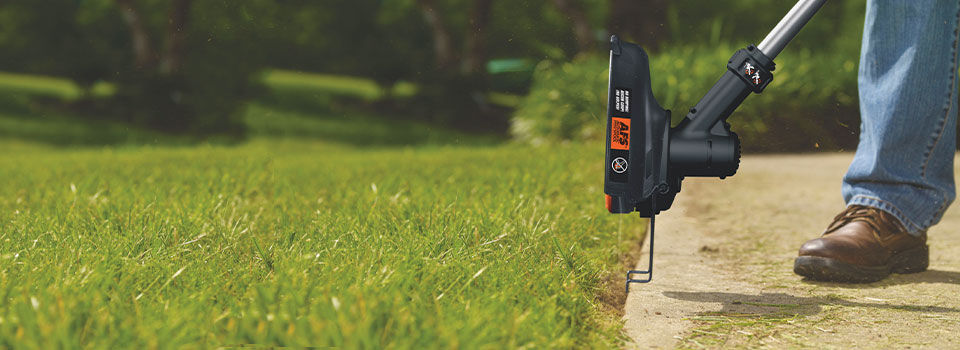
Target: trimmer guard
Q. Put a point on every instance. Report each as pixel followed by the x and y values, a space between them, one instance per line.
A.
pixel 637 137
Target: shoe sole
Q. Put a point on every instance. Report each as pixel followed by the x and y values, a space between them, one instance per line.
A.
pixel 819 268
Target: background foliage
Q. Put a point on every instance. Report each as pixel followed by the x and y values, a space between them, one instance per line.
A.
pixel 811 103
pixel 476 65
pixel 805 107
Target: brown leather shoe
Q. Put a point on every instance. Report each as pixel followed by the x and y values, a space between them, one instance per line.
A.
pixel 863 244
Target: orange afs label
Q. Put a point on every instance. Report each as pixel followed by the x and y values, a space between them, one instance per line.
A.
pixel 620 134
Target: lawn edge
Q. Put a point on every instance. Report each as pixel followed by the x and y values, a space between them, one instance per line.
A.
pixel 612 296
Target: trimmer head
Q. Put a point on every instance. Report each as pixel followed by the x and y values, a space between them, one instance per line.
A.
pixel 638 134
pixel 647 159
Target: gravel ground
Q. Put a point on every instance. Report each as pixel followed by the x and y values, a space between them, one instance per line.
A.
pixel 724 270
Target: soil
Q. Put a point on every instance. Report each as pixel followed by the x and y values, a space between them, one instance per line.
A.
pixel 723 270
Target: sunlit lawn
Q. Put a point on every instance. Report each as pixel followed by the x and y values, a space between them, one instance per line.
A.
pixel 304 243
pixel 323 229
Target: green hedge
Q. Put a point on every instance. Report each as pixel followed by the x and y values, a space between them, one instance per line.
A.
pixel 811 102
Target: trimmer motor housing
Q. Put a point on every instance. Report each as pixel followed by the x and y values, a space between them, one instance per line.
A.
pixel 638 134
pixel 646 159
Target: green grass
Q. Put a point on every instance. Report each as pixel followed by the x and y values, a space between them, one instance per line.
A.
pixel 335 84
pixel 330 227
pixel 353 128
pixel 49 86
pixel 58 87
pixel 306 243
pixel 297 105
pixel 25 114
pixel 39 85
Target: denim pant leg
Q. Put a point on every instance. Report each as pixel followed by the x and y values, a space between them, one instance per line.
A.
pixel 908 97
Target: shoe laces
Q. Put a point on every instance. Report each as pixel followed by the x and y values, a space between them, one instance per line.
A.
pixel 882 223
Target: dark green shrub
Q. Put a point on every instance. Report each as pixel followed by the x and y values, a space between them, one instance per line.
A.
pixel 803 105
pixel 566 102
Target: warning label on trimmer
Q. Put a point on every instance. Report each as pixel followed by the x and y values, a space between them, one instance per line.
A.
pixel 621 99
pixel 620 133
pixel 619 165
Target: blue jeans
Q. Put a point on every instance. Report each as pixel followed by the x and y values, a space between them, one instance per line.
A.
pixel 908 98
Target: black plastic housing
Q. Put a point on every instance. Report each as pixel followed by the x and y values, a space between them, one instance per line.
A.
pixel 630 98
pixel 644 156
pixel 702 143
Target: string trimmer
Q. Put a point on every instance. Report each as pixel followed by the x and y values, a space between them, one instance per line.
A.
pixel 646 158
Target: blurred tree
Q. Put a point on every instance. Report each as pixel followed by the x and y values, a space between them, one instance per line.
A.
pixel 193 62
pixel 640 21
pixel 475 55
pixel 188 66
pixel 442 43
pixel 387 41
pixel 80 41
pixel 143 52
pixel 582 30
pixel 152 89
pixel 456 93
pixel 472 55
pixel 170 73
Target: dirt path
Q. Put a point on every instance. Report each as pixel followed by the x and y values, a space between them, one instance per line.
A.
pixel 723 273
